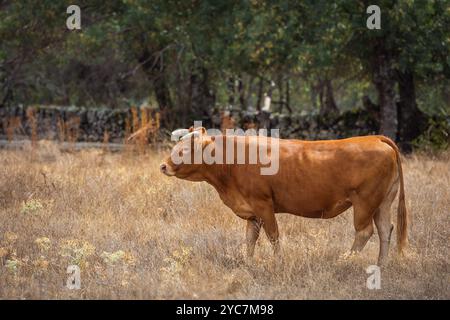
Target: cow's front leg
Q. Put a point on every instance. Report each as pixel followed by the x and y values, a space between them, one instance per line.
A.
pixel 252 234
pixel 271 228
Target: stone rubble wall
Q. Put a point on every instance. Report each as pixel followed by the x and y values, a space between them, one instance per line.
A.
pixel 90 124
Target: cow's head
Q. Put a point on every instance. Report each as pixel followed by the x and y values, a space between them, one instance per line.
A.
pixel 182 162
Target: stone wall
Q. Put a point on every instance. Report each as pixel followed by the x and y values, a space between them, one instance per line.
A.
pixel 90 125
pixel 311 126
pixel 65 123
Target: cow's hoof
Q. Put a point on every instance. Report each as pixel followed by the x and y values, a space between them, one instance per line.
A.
pixel 348 255
pixel 249 260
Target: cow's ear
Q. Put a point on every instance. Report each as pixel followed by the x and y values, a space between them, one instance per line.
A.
pixel 191 129
pixel 202 130
pixel 203 142
pixel 198 143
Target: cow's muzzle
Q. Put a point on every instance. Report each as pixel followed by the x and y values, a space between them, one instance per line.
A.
pixel 164 168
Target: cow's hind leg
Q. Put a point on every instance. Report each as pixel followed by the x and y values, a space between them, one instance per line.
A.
pixel 363 221
pixel 384 225
pixel 362 235
pixel 252 234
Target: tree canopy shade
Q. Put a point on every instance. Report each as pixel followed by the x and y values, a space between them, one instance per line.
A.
pixel 190 58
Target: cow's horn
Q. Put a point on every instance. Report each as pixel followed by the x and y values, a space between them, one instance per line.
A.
pixel 194 134
pixel 179 133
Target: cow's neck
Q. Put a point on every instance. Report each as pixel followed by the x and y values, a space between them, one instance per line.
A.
pixel 216 175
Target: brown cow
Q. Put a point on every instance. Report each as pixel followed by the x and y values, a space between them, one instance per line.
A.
pixel 315 179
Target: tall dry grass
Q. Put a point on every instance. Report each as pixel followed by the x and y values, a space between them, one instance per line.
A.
pixel 138 234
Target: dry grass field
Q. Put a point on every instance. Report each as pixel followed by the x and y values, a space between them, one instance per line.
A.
pixel 137 234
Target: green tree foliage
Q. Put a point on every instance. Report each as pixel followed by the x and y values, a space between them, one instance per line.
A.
pixel 190 57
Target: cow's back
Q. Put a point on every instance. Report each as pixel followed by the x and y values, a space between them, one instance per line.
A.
pixel 315 176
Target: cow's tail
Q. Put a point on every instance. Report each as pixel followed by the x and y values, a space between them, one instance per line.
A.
pixel 402 214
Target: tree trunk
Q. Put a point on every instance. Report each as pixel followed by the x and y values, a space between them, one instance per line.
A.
pixel 330 103
pixel 320 90
pixel 162 92
pixel 384 81
pixel 313 95
pixel 260 94
pixel 288 97
pixel 411 121
pixel 202 100
pixel 241 91
pixel 182 102
pixel 230 92
pixel 281 92
pixel 327 102
pixel 155 71
pixel 248 94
